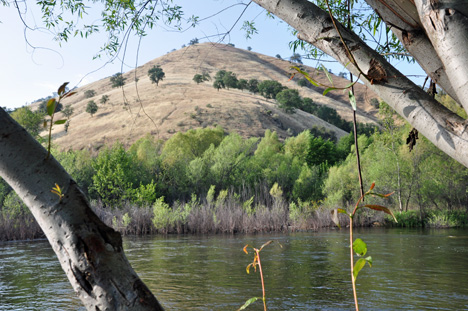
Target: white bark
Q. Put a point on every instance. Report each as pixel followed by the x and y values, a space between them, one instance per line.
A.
pixel 446 24
pixel 438 124
pixel 89 252
pixel 403 19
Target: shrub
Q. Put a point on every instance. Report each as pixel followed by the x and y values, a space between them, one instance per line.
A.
pixel 117 80
pixel 89 93
pixel 91 108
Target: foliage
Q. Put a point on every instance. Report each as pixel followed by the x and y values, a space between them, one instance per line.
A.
pixel 156 74
pixel 68 111
pixel 104 99
pixel 253 86
pixel 296 57
pixel 193 41
pixel 269 88
pixel 91 107
pixel 199 78
pixel 117 80
pixel 288 100
pixel 302 82
pixel 31 121
pixel 89 93
pixel 116 172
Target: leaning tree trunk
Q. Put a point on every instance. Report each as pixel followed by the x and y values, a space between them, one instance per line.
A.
pixel 90 253
pixel 445 129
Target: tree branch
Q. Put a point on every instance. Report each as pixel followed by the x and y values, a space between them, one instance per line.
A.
pixel 407 99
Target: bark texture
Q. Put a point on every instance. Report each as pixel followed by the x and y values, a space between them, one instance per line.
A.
pixel 89 252
pixel 441 126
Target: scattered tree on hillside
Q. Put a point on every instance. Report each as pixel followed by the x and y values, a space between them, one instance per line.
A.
pixel 253 86
pixel 242 84
pixel 230 80
pixel 91 108
pixel 343 75
pixel 156 74
pixel 199 78
pixel 296 57
pixel 104 99
pixel 117 80
pixel 288 100
pixel 68 111
pixel 302 82
pixel 218 82
pixel 249 48
pixel 193 41
pixel 269 88
pixel 89 93
pixel 278 56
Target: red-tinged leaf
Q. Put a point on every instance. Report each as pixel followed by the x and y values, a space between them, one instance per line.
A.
pixel 245 249
pixel 248 268
pixel 51 104
pixel 372 186
pixel 292 76
pixel 60 121
pixel 328 90
pixel 69 94
pixel 382 195
pixel 266 244
pixel 62 88
pixel 381 208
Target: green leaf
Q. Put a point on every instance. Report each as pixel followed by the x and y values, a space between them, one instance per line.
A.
pixel 360 247
pixel 248 302
pixel 61 89
pixel 51 104
pixel 328 90
pixel 360 264
pixel 60 121
pixel 306 75
pixel 381 208
pixel 327 74
pixel 342 211
pixel 352 100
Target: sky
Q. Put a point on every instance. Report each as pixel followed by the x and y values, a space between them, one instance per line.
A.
pixel 28 73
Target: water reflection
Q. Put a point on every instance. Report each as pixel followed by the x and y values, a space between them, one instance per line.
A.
pixel 413 270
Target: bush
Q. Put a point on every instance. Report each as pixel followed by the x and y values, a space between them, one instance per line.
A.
pixel 89 93
pixel 91 108
pixel 117 80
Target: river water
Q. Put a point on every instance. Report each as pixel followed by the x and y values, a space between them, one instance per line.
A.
pixel 412 270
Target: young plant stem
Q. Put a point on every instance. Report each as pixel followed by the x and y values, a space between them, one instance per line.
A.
pixel 352 262
pixel 357 153
pixel 261 277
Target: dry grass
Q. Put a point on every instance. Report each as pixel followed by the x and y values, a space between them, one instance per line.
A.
pixel 159 109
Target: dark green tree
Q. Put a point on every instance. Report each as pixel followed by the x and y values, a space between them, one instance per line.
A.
pixel 269 88
pixel 302 82
pixel 296 57
pixel 193 41
pixel 91 108
pixel 118 80
pixel 68 111
pixel 242 84
pixel 104 99
pixel 28 119
pixel 230 80
pixel 156 74
pixel 289 100
pixel 253 86
pixel 89 93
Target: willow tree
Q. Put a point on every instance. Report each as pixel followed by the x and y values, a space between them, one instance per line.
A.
pixel 433 32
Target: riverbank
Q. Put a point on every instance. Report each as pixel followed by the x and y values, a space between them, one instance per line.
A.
pixel 229 216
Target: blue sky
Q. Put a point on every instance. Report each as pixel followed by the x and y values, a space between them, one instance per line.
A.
pixel 28 74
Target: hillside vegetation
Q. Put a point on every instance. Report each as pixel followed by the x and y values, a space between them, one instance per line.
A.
pixel 177 103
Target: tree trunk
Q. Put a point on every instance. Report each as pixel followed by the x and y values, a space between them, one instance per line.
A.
pixel 441 126
pixel 89 252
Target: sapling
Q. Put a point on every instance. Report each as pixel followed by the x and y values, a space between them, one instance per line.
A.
pixel 359 246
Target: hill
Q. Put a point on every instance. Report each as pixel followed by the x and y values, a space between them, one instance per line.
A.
pixel 179 104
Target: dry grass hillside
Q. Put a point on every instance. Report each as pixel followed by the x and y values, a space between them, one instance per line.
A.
pixel 179 104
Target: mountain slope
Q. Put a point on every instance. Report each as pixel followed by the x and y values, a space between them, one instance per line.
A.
pixel 179 104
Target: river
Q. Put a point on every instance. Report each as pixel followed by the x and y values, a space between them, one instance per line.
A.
pixel 412 270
